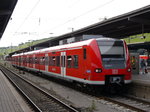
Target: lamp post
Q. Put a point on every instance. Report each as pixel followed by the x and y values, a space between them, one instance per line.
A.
pixel 72 29
pixel 30 44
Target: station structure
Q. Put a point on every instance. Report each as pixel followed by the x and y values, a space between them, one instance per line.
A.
pixel 132 23
pixel 122 26
pixel 6 10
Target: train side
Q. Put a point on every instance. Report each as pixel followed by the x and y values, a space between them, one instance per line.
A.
pixel 90 62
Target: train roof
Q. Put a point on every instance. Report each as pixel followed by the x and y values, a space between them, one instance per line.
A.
pixel 66 46
pixel 25 53
pixel 71 45
pixel 108 39
pixel 78 44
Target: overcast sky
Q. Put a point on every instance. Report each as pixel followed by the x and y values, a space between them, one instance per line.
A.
pixel 37 19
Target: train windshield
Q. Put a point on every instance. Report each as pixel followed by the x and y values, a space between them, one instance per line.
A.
pixel 112 53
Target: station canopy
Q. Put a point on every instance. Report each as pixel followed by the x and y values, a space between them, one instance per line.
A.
pixel 131 23
pixel 134 22
pixel 6 9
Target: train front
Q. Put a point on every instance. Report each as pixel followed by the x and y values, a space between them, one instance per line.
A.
pixel 114 62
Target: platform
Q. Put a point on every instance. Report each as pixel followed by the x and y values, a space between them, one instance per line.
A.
pixel 140 86
pixel 141 78
pixel 10 100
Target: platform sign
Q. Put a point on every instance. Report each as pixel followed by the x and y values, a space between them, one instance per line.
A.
pixel 134 59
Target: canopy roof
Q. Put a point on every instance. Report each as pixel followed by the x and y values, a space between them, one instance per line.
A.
pixel 6 9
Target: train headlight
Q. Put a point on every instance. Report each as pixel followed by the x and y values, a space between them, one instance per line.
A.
pixel 129 70
pixel 98 70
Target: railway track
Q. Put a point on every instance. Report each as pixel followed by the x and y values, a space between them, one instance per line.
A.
pixel 39 100
pixel 129 104
pixel 132 103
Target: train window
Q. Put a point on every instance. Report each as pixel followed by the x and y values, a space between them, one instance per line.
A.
pixel 52 60
pixel 27 60
pixel 24 60
pixel 35 60
pixel 43 60
pixel 113 54
pixel 57 60
pixel 53 52
pixel 69 61
pixel 30 59
pixel 84 53
pixel 19 59
pixel 75 64
pixel 38 60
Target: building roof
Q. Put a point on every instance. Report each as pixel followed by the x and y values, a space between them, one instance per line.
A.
pixel 139 45
pixel 6 10
pixel 134 22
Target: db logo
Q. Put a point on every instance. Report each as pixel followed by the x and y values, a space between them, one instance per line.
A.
pixel 115 71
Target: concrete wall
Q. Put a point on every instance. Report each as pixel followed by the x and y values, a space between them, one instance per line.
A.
pixel 140 89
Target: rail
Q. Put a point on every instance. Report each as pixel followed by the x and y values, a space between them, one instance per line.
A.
pixel 132 103
pixel 39 99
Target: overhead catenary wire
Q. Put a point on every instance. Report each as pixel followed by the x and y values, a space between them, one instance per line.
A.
pixel 83 14
pixel 64 23
pixel 26 18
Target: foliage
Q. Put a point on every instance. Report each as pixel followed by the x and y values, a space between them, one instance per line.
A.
pixel 7 50
pixel 138 38
pixel 92 108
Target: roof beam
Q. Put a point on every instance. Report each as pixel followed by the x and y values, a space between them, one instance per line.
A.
pixel 5 12
pixel 139 20
pixel 1 34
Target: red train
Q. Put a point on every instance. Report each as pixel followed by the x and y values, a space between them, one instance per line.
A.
pixel 99 61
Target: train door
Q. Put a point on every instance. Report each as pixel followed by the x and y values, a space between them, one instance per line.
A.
pixel 33 61
pixel 84 64
pixel 27 60
pixel 63 63
pixel 46 62
pixel 37 61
